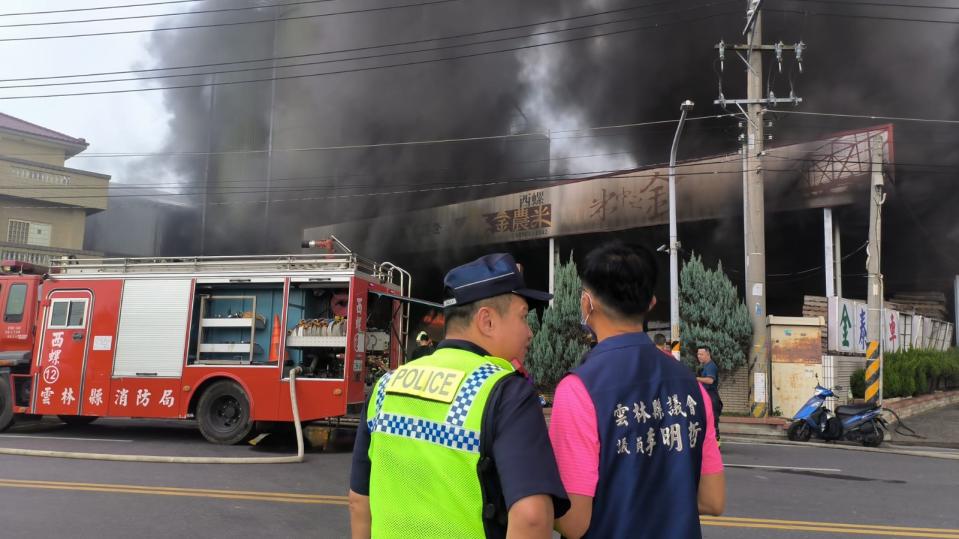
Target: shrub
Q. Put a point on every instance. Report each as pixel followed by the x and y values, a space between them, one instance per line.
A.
pixel 917 372
pixel 711 314
pixel 857 384
pixel 558 341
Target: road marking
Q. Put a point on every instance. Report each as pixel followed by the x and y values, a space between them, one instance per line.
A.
pixel 889 450
pixel 282 497
pixel 829 527
pixel 760 442
pixel 833 470
pixel 321 499
pixel 64 438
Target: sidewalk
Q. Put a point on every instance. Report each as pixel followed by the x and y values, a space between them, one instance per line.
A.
pixel 938 428
pixel 772 427
pixel 935 417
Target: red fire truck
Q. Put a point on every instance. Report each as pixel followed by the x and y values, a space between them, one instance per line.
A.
pixel 210 338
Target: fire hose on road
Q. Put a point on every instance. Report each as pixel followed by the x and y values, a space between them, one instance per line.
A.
pixel 182 460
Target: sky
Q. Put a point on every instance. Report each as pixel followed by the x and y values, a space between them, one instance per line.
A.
pixel 132 122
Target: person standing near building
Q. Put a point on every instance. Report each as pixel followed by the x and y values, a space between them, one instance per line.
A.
pixel 454 445
pixel 709 376
pixel 631 427
pixel 425 346
pixel 660 340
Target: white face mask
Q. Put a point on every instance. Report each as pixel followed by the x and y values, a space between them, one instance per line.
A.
pixel 584 321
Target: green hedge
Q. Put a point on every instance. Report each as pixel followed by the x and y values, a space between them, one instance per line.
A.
pixel 913 372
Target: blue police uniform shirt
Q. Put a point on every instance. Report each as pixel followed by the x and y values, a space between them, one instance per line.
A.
pixel 520 449
pixel 652 423
pixel 712 371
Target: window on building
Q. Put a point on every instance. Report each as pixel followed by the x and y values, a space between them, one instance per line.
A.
pixel 18 231
pixel 16 300
pixel 67 313
pixel 28 232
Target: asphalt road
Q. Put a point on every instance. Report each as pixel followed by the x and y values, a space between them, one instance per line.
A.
pixel 775 491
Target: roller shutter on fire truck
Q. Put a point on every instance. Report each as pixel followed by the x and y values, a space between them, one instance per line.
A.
pixel 154 321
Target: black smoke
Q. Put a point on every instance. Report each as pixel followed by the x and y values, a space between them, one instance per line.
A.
pixel 260 202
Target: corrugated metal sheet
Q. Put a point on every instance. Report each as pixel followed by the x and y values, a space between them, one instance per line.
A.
pixel 153 327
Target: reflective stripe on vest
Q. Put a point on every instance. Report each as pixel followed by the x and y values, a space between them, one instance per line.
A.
pixel 425 452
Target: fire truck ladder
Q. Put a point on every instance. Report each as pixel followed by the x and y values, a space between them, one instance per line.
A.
pixel 211 264
pixel 406 288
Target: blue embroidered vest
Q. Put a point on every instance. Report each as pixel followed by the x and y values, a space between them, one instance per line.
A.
pixel 652 424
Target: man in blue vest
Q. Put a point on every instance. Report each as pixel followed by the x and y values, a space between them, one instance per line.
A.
pixel 454 444
pixel 631 427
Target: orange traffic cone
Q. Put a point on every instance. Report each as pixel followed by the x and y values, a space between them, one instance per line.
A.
pixel 275 340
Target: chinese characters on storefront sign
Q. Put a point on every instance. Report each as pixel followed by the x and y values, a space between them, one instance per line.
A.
pixel 531 218
pixel 648 195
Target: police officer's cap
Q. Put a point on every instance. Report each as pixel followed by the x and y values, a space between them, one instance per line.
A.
pixel 486 277
pixel 422 336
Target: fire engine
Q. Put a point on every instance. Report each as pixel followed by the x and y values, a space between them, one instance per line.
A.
pixel 205 338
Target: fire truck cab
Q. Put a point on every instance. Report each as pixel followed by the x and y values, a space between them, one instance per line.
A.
pixel 209 338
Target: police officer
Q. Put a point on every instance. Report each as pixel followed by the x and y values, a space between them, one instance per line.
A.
pixel 630 426
pixel 454 444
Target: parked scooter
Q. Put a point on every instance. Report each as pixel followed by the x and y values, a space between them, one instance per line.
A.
pixel 853 422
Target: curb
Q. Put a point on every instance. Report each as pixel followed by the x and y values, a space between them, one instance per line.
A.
pixel 822 445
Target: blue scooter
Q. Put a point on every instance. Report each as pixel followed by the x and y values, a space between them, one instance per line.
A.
pixel 853 422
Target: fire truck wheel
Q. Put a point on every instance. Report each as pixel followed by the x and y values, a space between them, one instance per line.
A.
pixel 224 413
pixel 6 405
pixel 77 420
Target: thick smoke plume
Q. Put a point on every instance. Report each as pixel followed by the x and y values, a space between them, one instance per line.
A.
pixel 260 202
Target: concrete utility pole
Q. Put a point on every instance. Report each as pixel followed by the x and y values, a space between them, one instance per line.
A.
pixel 955 308
pixel 833 254
pixel 829 252
pixel 837 258
pixel 684 108
pixel 552 267
pixel 754 204
pixel 874 293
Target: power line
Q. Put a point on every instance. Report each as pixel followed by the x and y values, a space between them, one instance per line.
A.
pixel 423 188
pixel 371 68
pixel 946 168
pixel 865 117
pixel 858 16
pixel 418 142
pixel 76 10
pixel 356 58
pixel 435 187
pixel 253 182
pixel 847 3
pixel 182 13
pixel 818 268
pixel 225 24
pixel 355 49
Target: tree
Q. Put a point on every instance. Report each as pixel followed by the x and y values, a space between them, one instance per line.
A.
pixel 558 340
pixel 711 314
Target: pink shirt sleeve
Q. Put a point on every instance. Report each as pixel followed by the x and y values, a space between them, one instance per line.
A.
pixel 712 460
pixel 575 437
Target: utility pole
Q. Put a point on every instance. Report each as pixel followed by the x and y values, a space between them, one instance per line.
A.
pixel 684 108
pixel 754 208
pixel 874 320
